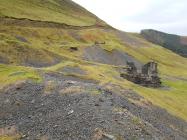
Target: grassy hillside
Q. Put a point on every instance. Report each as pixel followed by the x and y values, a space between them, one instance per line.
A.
pixel 60 11
pixel 172 67
pixel 174 43
pixel 11 74
pixel 51 49
pixel 17 50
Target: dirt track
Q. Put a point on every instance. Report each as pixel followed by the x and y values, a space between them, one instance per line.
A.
pixel 23 22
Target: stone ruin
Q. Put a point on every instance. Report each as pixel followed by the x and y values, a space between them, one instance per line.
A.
pixel 147 76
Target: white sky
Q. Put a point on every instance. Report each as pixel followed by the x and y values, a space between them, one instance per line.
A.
pixel 133 15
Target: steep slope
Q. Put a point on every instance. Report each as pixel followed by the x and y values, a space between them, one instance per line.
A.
pixel 17 50
pixel 64 11
pixel 174 43
pixel 55 73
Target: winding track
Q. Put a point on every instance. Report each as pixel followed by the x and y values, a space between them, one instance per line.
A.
pixel 24 22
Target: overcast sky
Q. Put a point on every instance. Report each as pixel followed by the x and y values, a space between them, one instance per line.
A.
pixel 133 15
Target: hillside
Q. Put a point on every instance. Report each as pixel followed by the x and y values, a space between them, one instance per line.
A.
pixel 175 43
pixel 184 40
pixel 60 78
pixel 64 11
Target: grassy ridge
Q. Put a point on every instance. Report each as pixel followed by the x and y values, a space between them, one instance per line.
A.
pixel 48 10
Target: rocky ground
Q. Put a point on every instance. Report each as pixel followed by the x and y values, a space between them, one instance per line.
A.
pixel 69 108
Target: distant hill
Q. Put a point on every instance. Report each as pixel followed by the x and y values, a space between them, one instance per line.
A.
pixel 175 43
pixel 184 40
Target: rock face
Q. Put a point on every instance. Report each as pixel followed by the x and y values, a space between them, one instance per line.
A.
pixel 147 76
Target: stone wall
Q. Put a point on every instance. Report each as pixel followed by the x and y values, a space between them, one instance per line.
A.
pixel 148 76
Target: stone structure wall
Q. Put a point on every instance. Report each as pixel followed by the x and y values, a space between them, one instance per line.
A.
pixel 150 69
pixel 147 77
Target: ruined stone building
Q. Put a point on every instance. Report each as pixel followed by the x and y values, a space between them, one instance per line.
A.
pixel 131 68
pixel 150 69
pixel 148 76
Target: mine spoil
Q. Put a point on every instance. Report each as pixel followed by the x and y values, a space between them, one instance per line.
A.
pixel 83 110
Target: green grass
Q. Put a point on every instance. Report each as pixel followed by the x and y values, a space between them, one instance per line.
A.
pixel 9 137
pixel 14 51
pixel 173 99
pixel 12 74
pixel 49 10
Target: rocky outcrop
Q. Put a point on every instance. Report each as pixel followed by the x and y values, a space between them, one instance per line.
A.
pixel 147 76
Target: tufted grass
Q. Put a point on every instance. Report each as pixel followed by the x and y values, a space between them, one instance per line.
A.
pixel 11 74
